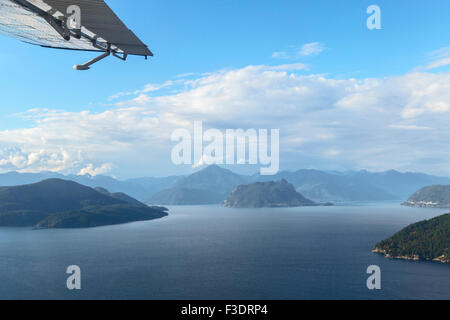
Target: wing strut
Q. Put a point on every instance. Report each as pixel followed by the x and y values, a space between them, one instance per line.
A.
pixel 86 66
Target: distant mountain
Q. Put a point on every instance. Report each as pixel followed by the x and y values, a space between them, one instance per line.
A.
pixel 58 203
pixel 143 188
pixel 185 197
pixel 16 179
pixel 266 195
pixel 213 178
pixel 140 188
pixel 208 186
pixel 356 186
pixel 213 184
pixel 216 183
pixel 399 184
pixel 426 240
pixel 322 186
pixel 430 197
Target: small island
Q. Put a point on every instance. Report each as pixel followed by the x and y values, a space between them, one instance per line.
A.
pixel 436 196
pixel 271 194
pixel 57 203
pixel 426 240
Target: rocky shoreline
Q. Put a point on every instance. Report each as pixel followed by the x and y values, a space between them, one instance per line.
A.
pixel 440 259
pixel 424 204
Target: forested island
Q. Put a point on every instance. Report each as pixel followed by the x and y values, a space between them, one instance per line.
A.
pixel 57 203
pixel 425 240
pixel 267 195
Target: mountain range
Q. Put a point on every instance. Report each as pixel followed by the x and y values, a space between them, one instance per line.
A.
pixel 213 184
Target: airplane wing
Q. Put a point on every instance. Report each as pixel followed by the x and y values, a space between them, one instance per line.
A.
pixel 44 23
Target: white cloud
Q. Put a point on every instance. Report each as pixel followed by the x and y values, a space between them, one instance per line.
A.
pixel 25 159
pixel 280 55
pixel 204 160
pixel 151 87
pixel 155 87
pixel 94 171
pixel 408 127
pixel 295 52
pixel 441 53
pixel 333 153
pixel 185 75
pixel 65 141
pixel 438 64
pixel 440 58
pixel 311 49
pixel 374 124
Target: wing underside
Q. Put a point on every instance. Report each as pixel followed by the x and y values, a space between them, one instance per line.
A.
pixel 100 27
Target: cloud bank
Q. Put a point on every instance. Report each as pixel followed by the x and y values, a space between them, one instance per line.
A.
pixel 338 124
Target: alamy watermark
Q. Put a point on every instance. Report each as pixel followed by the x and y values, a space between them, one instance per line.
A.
pixel 374 281
pixel 374 20
pixel 73 16
pixel 231 146
pixel 74 280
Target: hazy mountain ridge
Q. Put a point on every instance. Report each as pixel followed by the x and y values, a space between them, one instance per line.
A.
pixel 316 185
pixel 400 184
pixel 222 181
pixel 208 186
pixel 186 197
pixel 139 188
pixel 266 195
pixel 322 186
pixel 213 184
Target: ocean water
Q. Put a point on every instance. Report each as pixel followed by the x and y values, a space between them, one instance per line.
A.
pixel 211 252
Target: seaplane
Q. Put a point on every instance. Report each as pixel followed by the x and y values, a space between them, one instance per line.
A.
pixel 86 25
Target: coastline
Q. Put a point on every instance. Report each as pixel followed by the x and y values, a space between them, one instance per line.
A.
pixel 440 259
pixel 423 204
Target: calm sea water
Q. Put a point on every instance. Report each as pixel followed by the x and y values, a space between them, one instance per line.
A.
pixel 212 252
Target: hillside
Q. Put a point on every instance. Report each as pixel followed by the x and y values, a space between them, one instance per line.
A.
pixel 120 196
pixel 335 187
pixel 208 186
pixel 101 216
pixel 425 240
pixel 31 205
pixel 266 195
pixel 399 184
pixel 430 197
pixel 213 178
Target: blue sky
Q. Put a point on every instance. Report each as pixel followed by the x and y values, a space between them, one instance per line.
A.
pixel 201 39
